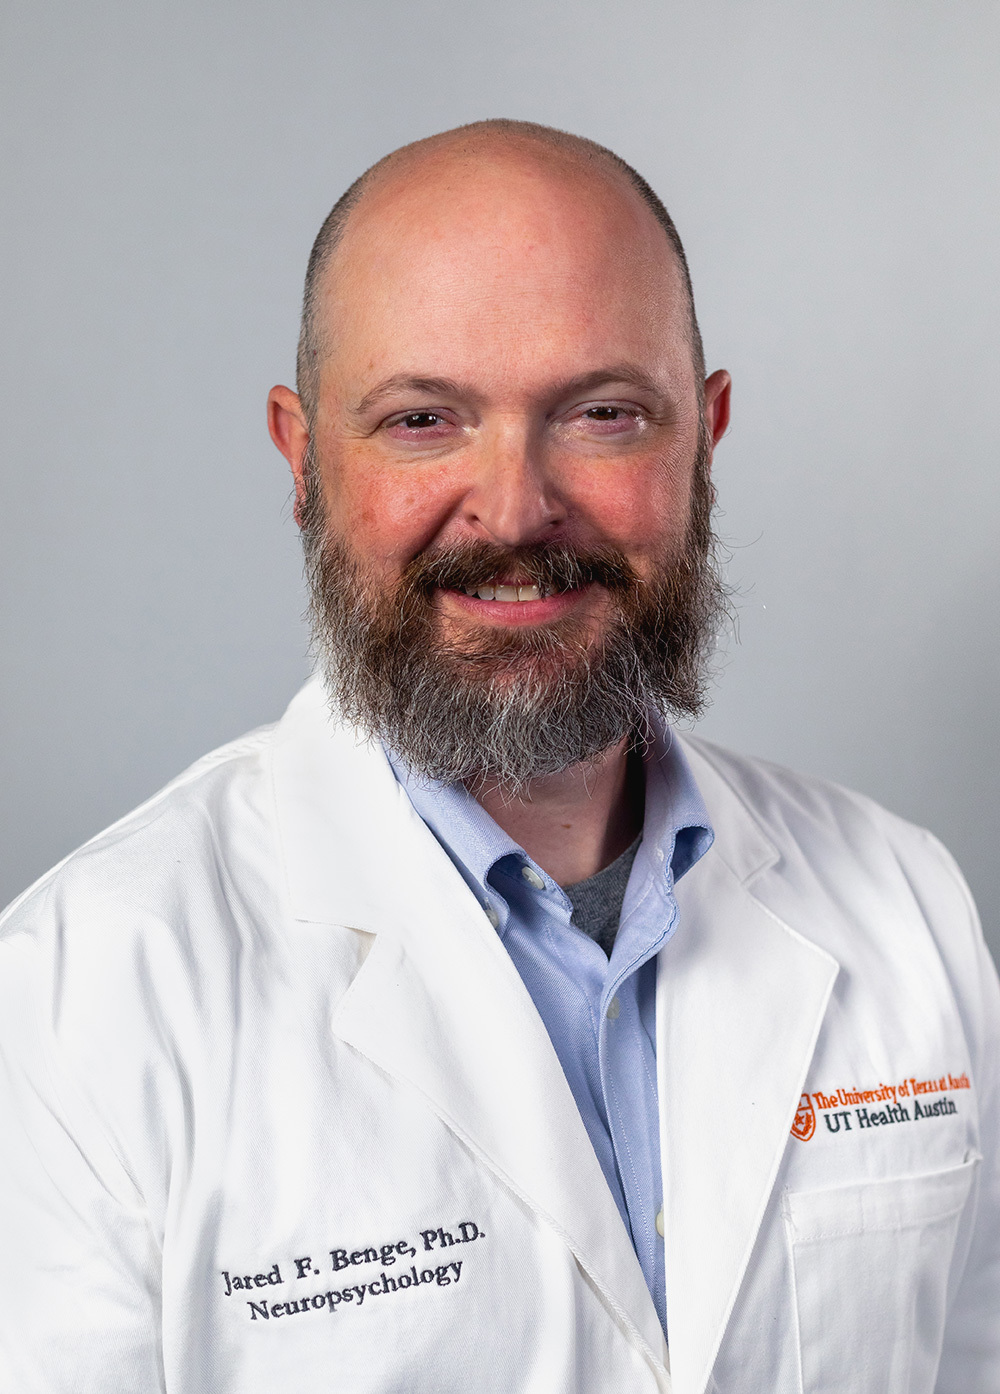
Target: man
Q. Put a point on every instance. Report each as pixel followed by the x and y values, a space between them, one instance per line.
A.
pixel 469 1030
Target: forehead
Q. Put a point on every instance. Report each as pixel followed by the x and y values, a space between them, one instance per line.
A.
pixel 500 261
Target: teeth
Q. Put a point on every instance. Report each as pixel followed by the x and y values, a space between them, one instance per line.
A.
pixel 505 593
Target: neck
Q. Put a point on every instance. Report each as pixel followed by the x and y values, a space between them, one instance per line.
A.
pixel 575 823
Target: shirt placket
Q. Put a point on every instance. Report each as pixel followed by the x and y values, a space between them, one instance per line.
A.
pixel 626 1053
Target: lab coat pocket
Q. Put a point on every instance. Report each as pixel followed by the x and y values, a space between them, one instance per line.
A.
pixel 870 1264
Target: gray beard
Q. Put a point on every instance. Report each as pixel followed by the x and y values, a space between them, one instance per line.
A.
pixel 510 706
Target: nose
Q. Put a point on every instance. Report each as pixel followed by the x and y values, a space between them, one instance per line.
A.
pixel 513 499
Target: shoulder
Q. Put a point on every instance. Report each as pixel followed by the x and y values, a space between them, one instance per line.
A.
pixel 829 843
pixel 184 888
pixel 153 907
pixel 853 874
pixel 120 968
pixel 800 812
pixel 140 854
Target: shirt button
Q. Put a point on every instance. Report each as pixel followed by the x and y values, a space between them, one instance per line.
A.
pixel 532 877
pixel 614 1007
pixel 659 1222
pixel 492 916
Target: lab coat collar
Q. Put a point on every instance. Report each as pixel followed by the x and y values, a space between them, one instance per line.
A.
pixel 741 996
pixel 673 806
pixel 438 1003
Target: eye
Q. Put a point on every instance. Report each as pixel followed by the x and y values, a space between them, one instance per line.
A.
pixel 607 420
pixel 420 420
pixel 420 427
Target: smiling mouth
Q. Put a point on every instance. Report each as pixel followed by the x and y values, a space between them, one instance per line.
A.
pixel 540 580
pixel 508 593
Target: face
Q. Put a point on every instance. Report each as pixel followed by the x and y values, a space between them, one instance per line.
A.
pixel 508 432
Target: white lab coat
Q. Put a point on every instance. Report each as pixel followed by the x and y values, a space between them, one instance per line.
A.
pixel 287 1119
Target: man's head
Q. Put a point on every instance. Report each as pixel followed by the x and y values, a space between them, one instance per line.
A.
pixel 313 333
pixel 501 454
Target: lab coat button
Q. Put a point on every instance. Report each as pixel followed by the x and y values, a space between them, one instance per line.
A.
pixel 532 877
pixel 614 1007
pixel 659 1222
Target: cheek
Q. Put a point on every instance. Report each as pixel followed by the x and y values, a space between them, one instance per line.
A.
pixel 384 513
pixel 638 507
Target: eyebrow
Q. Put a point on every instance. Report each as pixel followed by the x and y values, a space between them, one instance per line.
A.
pixel 628 373
pixel 436 387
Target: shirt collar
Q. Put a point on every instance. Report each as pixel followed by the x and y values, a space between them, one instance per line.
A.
pixel 676 819
pixel 473 841
pixel 676 827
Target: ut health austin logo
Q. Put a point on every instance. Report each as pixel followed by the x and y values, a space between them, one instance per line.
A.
pixel 805 1119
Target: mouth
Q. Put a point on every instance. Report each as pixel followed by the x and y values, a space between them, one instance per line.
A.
pixel 515 602
pixel 507 593
pixel 509 588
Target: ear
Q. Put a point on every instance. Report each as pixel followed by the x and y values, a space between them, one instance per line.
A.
pixel 287 423
pixel 717 392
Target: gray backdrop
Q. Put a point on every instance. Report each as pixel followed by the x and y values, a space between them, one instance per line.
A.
pixel 832 168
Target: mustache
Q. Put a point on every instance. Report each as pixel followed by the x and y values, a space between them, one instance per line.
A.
pixel 552 567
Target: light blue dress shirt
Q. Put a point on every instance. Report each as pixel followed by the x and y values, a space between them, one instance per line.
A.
pixel 599 1013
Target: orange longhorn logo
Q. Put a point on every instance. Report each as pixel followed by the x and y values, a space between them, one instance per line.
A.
pixel 805 1120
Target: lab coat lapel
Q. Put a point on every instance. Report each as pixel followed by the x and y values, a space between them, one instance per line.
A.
pixel 442 1009
pixel 741 997
pixel 438 1003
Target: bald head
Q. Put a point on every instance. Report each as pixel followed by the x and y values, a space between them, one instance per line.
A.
pixel 482 173
pixel 500 372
